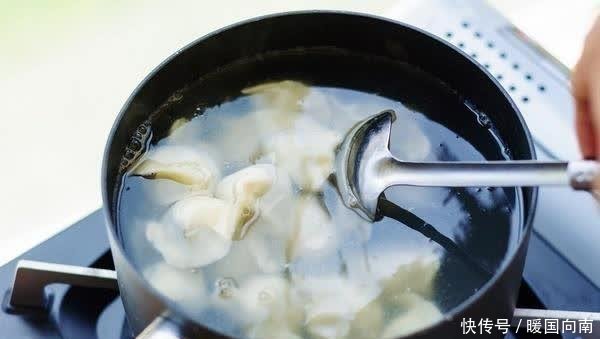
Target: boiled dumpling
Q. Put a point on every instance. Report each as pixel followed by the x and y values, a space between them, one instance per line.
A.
pixel 417 276
pixel 327 322
pixel 268 251
pixel 184 165
pixel 283 95
pixel 368 321
pixel 325 108
pixel 229 136
pixel 278 104
pixel 351 225
pixel 271 330
pixel 331 303
pixel 330 315
pixel 194 232
pixel 182 286
pixel 277 204
pixel 243 189
pixel 258 252
pixel 178 124
pixel 264 246
pixel 264 296
pixel 239 140
pixel 165 192
pixel 306 152
pixel 249 183
pixel 419 313
pixel 411 270
pixel 262 300
pixel 313 229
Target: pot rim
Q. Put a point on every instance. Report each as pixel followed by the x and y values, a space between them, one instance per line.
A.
pixel 447 316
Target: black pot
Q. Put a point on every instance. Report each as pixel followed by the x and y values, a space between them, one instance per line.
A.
pixel 358 33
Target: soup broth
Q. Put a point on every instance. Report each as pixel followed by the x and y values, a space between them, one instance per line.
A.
pixel 228 206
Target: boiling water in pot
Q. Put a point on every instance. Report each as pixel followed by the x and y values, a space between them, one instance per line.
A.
pixel 228 209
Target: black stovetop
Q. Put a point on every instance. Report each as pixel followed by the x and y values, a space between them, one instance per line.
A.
pixel 549 281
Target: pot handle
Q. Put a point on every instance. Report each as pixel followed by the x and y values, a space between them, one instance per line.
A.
pixel 162 327
pixel 31 278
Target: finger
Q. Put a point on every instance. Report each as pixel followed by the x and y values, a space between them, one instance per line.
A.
pixel 584 124
pixel 586 134
pixel 594 104
pixel 596 189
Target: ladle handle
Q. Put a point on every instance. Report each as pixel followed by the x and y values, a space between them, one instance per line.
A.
pixel 578 174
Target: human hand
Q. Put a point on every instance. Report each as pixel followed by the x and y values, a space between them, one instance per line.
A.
pixel 586 90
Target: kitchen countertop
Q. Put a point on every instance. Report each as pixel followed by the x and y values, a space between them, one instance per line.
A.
pixel 68 67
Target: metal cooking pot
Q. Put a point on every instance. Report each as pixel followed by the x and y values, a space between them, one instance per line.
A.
pixel 147 311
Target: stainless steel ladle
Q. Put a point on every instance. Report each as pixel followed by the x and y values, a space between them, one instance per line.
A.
pixel 365 167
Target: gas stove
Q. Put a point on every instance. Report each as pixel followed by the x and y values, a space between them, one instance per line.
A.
pixel 66 287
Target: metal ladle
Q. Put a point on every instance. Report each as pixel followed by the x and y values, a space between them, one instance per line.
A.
pixel 365 167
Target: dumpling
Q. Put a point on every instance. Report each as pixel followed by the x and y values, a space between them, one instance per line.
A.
pixel 417 276
pixel 331 304
pixel 194 232
pixel 182 286
pixel 165 192
pixel 249 183
pixel 268 252
pixel 262 300
pixel 283 95
pixel 277 105
pixel 178 124
pixel 271 330
pixel 405 271
pixel 182 164
pixel 325 109
pixel 237 139
pixel 419 313
pixel 323 106
pixel 258 252
pixel 229 135
pixel 238 263
pixel 180 180
pixel 306 152
pixel 313 229
pixel 263 248
pixel 264 296
pixel 328 322
pixel 368 322
pixel 351 225
pixel 277 204
pixel 243 189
